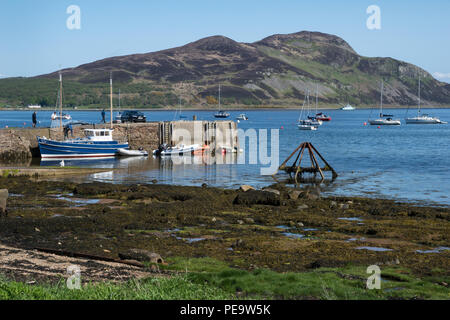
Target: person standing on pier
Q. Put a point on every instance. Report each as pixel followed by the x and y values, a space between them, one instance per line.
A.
pixel 103 116
pixel 34 119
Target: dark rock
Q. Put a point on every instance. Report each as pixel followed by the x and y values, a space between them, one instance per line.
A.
pixel 252 197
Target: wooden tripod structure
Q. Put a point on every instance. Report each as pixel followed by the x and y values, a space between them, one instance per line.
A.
pixel 315 168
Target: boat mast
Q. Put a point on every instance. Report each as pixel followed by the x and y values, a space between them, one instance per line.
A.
pixel 219 98
pixel 418 110
pixel 381 102
pixel 111 97
pixel 60 100
pixel 317 96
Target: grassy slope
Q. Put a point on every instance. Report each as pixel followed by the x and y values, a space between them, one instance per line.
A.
pixel 211 279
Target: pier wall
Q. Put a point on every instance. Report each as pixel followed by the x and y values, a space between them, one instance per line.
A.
pixel 21 143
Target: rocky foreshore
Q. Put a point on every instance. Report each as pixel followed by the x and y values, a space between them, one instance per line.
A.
pixel 279 228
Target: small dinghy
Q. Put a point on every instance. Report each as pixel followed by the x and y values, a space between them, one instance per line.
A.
pixel 180 150
pixel 132 153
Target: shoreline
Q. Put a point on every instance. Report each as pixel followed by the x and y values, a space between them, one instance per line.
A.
pixel 234 108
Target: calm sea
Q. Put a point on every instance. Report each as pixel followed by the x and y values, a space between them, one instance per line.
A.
pixel 407 162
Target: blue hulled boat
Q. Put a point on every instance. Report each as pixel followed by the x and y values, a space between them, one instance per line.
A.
pixel 97 143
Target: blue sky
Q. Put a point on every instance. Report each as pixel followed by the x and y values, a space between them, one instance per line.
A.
pixel 35 40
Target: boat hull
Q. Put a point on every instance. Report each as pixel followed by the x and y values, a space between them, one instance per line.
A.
pixel 423 121
pixel 383 122
pixel 78 149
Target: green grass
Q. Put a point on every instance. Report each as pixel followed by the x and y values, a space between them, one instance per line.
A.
pixel 207 278
pixel 173 288
pixel 328 284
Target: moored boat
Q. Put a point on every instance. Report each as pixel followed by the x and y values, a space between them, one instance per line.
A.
pixel 131 153
pixel 385 119
pixel 242 116
pixel 97 143
pixel 179 150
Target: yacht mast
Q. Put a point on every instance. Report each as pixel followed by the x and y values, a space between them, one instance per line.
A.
pixel 418 110
pixel 381 102
pixel 60 100
pixel 111 97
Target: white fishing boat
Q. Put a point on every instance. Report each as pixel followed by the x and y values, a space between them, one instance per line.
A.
pixel 242 116
pixel 131 153
pixel 348 107
pixel 423 118
pixel 179 150
pixel 384 120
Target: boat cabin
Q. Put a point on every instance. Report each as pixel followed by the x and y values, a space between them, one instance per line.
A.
pixel 98 134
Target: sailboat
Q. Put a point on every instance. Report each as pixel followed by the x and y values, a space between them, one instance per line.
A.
pixel 179 111
pixel 220 113
pixel 382 121
pixel 96 144
pixel 424 118
pixel 320 116
pixel 61 116
pixel 308 123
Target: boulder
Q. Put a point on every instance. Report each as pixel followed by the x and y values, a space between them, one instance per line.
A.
pixel 246 188
pixel 141 255
pixel 302 207
pixel 249 220
pixel 272 190
pixel 295 194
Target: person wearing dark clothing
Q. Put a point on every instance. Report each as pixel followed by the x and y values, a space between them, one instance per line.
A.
pixel 103 116
pixel 34 118
pixel 67 128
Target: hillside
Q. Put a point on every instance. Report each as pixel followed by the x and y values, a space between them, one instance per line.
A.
pixel 274 71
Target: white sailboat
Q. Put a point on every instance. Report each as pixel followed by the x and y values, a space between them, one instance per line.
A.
pixel 221 113
pixel 307 123
pixel 424 118
pixel 59 117
pixel 382 121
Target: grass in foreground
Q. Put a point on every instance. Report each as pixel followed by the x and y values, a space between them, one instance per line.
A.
pixel 211 279
pixel 174 288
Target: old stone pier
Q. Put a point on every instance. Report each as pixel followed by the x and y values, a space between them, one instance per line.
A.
pixel 21 144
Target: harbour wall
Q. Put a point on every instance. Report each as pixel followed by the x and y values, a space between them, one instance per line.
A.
pixel 19 144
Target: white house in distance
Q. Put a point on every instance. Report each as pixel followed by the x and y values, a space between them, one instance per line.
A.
pixel 34 107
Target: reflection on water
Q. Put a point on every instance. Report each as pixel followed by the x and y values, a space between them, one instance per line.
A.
pixel 399 162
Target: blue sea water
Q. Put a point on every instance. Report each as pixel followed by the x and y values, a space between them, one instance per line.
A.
pixel 407 162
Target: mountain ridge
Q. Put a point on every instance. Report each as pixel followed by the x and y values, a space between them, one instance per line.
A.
pixel 276 70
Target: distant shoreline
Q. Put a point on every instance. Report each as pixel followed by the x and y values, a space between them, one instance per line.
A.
pixel 234 108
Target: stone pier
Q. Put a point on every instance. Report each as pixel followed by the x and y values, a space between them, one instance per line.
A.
pixel 21 143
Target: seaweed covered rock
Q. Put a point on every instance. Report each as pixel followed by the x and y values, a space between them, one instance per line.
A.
pixel 252 197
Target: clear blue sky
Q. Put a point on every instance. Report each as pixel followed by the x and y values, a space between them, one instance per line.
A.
pixel 35 40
